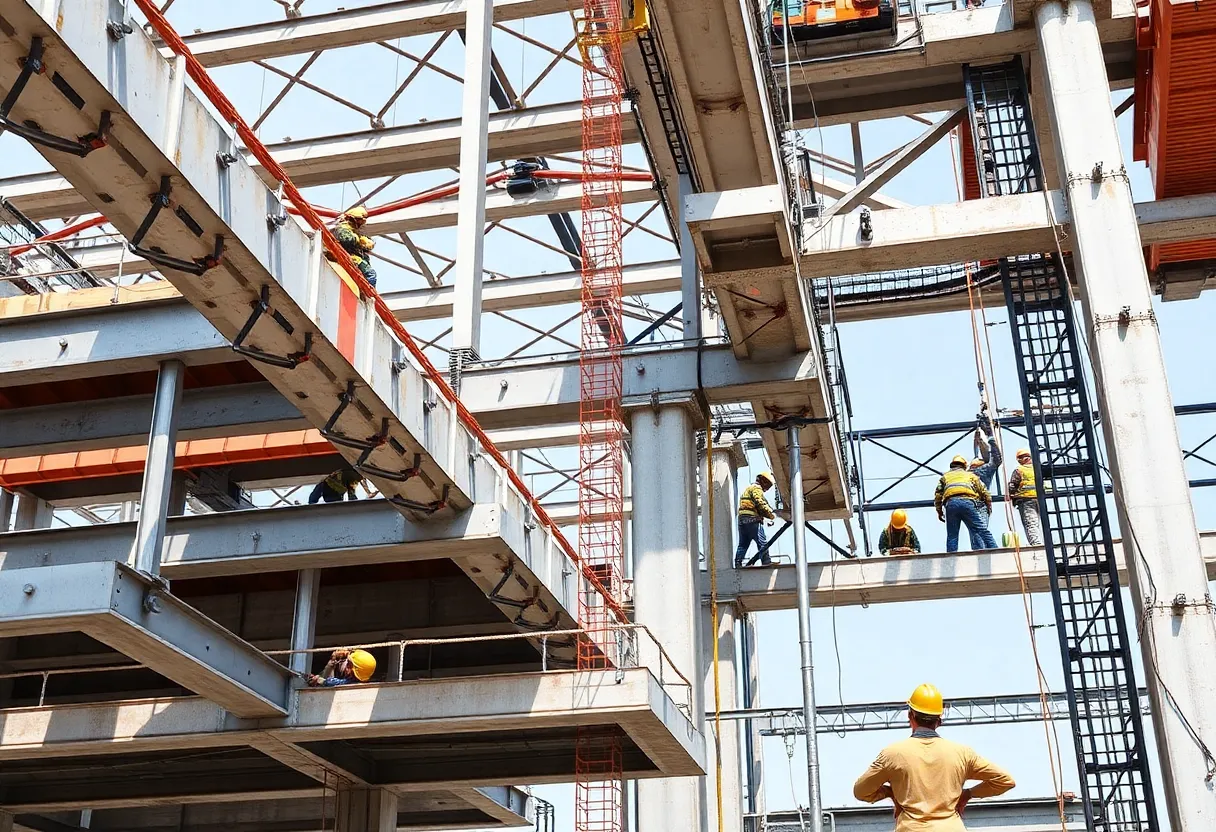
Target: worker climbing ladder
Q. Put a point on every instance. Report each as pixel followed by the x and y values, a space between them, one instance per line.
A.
pixel 1103 702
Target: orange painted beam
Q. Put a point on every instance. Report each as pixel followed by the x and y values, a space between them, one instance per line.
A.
pixel 196 453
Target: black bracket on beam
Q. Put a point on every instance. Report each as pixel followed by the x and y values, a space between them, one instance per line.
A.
pixel 199 265
pixel 425 508
pixel 30 131
pixel 339 438
pixel 262 306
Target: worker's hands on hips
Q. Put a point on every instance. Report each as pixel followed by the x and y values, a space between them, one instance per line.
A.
pixel 962 802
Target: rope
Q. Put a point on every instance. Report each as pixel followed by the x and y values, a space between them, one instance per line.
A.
pixel 713 606
pixel 228 111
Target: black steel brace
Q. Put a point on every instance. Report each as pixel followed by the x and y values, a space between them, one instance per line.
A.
pixel 262 306
pixel 425 508
pixel 339 438
pixel 371 469
pixel 197 266
pixel 30 131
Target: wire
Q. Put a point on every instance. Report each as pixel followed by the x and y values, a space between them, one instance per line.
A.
pixel 713 606
pixel 835 641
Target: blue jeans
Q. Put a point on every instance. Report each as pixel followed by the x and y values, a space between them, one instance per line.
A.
pixel 965 511
pixel 749 532
pixel 976 543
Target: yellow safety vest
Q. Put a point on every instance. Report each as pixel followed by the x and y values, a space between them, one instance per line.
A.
pixel 752 502
pixel 959 483
pixel 1028 490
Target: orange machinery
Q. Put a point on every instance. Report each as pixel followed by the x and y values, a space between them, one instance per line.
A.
pixel 819 19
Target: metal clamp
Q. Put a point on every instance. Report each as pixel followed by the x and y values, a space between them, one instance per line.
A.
pixel 339 438
pixel 197 266
pixel 262 306
pixel 30 131
pixel 363 466
pixel 425 508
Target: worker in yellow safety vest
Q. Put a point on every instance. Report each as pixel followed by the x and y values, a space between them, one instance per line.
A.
pixel 1024 491
pixel 925 776
pixel 348 231
pixel 753 509
pixel 898 538
pixel 961 499
pixel 336 487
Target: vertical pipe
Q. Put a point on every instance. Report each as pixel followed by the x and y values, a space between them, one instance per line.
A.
pixel 1167 577
pixel 158 470
pixel 798 517
pixel 859 158
pixel 304 624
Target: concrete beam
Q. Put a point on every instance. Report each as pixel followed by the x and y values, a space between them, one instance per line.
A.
pixel 552 128
pixel 882 580
pixel 112 603
pixel 350 27
pixel 273 540
pixel 462 713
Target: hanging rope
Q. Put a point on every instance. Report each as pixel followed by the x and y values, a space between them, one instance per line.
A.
pixel 713 606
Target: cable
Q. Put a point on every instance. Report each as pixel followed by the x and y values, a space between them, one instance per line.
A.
pixel 835 641
pixel 713 606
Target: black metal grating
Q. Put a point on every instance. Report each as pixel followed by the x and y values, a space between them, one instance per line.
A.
pixel 1090 620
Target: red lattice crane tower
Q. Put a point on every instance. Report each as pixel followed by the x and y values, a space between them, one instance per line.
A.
pixel 598 805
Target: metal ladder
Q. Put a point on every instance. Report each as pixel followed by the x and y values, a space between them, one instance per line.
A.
pixel 1104 711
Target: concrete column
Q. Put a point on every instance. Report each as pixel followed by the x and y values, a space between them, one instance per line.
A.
pixel 753 752
pixel 6 822
pixel 8 501
pixel 732 777
pixel 690 272
pixel 471 203
pixel 1168 584
pixel 33 513
pixel 665 588
pixel 366 810
pixel 304 624
pixel 154 497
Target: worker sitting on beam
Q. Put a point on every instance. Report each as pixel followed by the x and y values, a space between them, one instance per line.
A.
pixel 336 487
pixel 345 667
pixel 753 509
pixel 925 775
pixel 898 538
pixel 961 498
pixel 347 230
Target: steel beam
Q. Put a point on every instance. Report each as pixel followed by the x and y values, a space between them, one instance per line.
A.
pixel 350 27
pixel 154 496
pixel 458 712
pixel 552 128
pixel 883 580
pixel 119 607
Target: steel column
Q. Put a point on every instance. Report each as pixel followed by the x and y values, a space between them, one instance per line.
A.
pixel 158 470
pixel 7 501
pixel 1167 576
pixel 471 204
pixel 33 513
pixel 753 749
pixel 665 587
pixel 798 517
pixel 304 625
pixel 366 810
pixel 690 274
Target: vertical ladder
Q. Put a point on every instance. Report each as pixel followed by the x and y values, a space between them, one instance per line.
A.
pixel 1102 698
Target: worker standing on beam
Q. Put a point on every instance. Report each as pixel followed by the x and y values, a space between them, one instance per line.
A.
pixel 345 667
pixel 1024 491
pixel 754 512
pixel 898 538
pixel 336 487
pixel 347 231
pixel 925 776
pixel 961 499
pixel 986 464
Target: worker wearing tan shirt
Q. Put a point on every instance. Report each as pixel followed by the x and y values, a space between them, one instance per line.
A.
pixel 925 775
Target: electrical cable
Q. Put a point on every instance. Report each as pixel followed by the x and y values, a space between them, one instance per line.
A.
pixel 713 607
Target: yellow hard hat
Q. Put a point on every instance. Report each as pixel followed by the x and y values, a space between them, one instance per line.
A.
pixel 363 663
pixel 958 460
pixel 357 214
pixel 926 699
pixel 766 475
pixel 977 462
pixel 899 518
pixel 1022 452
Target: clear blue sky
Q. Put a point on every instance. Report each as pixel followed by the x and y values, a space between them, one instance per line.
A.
pixel 906 371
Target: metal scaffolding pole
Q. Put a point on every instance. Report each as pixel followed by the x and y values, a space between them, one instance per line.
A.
pixel 1177 619
pixel 158 469
pixel 798 517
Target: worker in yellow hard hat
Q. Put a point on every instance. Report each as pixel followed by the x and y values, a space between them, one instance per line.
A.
pixel 925 776
pixel 345 667
pixel 1024 491
pixel 961 499
pixel 348 231
pixel 898 538
pixel 754 512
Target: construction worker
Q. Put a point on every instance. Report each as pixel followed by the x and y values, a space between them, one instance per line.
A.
pixel 961 498
pixel 898 538
pixel 345 667
pixel 337 486
pixel 357 246
pixel 753 509
pixel 1024 491
pixel 986 464
pixel 925 775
